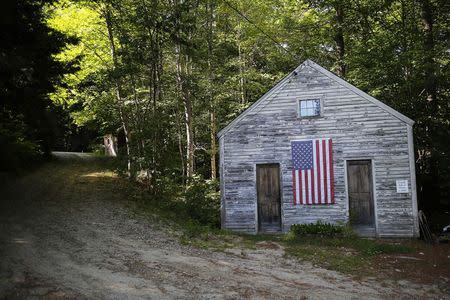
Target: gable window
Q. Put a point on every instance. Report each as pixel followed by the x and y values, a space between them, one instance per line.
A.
pixel 309 108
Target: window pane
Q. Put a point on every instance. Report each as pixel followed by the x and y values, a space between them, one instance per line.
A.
pixel 303 112
pixel 309 108
pixel 317 111
pixel 316 107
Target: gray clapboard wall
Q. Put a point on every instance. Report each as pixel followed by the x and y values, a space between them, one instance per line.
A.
pixel 360 126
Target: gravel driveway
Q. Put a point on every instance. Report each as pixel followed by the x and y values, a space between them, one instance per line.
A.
pixel 69 231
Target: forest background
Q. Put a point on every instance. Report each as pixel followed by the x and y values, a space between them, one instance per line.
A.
pixel 165 75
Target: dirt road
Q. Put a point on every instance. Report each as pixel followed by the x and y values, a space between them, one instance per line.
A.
pixel 68 230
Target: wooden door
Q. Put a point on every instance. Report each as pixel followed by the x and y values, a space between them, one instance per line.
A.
pixel 360 192
pixel 269 200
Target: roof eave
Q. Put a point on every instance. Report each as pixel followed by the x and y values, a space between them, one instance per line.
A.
pixel 359 92
pixel 262 98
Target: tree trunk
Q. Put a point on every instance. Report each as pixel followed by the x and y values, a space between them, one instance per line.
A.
pixel 241 72
pixel 213 130
pixel 213 145
pixel 188 120
pixel 107 15
pixel 138 123
pixel 154 86
pixel 430 88
pixel 180 146
pixel 182 70
pixel 339 39
pixel 426 14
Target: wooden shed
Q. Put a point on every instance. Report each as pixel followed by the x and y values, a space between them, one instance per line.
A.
pixel 313 148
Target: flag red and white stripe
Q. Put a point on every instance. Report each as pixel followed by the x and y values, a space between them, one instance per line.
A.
pixel 312 173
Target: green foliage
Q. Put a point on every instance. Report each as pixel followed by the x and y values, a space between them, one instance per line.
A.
pixel 319 228
pixel 202 201
pixel 17 151
pixel 384 248
pixel 82 91
pixel 195 209
pixel 227 62
pixel 28 121
pixel 97 149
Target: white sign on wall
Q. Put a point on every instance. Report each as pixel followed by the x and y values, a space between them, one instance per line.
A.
pixel 402 186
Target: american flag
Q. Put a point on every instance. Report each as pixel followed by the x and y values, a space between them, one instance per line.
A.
pixel 312 171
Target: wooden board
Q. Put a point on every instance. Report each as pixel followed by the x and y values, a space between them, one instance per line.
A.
pixel 360 192
pixel 269 202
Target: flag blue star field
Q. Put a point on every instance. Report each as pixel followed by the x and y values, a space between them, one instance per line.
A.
pixel 312 172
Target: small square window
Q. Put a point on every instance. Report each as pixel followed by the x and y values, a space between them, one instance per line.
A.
pixel 309 108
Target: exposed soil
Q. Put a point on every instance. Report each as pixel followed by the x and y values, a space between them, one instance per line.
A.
pixel 429 265
pixel 69 230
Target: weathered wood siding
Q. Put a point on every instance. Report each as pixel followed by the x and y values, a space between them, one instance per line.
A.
pixel 359 129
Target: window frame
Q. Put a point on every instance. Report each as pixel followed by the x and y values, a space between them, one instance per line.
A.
pixel 299 116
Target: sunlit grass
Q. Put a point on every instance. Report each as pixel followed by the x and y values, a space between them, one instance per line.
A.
pixel 109 174
pixel 20 241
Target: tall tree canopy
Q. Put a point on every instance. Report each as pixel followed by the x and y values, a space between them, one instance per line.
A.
pixel 28 72
pixel 165 75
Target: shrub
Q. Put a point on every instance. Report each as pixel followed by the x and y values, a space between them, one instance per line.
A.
pixel 97 149
pixel 194 207
pixel 319 228
pixel 202 201
pixel 17 150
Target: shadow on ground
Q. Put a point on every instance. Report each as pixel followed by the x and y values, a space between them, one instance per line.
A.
pixel 71 229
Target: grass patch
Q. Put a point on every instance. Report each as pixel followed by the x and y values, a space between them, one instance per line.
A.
pixel 249 241
pixel 348 255
pixel 216 240
pixel 351 254
pixel 342 260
